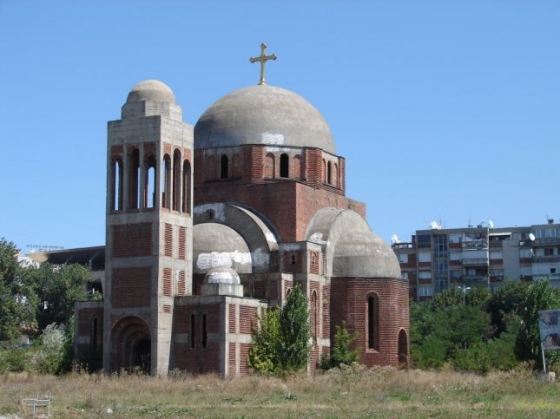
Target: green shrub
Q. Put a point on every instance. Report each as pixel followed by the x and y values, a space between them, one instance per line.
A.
pixel 343 351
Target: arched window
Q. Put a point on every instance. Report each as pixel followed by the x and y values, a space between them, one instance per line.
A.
pixel 134 179
pixel 373 322
pixel 150 183
pixel 403 349
pixel 193 330
pixel 224 169
pixel 94 328
pixel 117 185
pixel 176 180
pixel 314 316
pixel 336 181
pixel 284 165
pixel 324 171
pixel 329 173
pixel 204 331
pixel 166 182
pixel 187 177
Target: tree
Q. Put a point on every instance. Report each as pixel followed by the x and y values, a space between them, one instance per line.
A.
pixel 505 304
pixel 281 344
pixel 57 289
pixel 293 346
pixel 263 354
pixel 540 296
pixel 343 351
pixel 17 300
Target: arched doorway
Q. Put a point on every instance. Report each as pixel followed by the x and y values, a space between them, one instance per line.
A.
pixel 131 346
pixel 403 349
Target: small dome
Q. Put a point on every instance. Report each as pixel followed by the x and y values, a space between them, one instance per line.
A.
pixel 263 114
pixel 222 275
pixel 216 245
pixel 151 91
pixel 362 254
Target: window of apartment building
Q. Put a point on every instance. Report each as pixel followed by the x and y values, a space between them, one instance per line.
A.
pixel 440 266
pixel 525 253
pixel 455 274
pixel 404 275
pixel 455 238
pixel 425 291
pixel 425 275
pixel 403 257
pixel 455 256
pixel 424 257
pixel 424 240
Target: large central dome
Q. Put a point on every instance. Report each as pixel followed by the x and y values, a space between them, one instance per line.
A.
pixel 263 115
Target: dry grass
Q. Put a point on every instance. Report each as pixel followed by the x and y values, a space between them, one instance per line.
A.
pixel 350 393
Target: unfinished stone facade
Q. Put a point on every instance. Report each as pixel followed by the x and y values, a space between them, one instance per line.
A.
pixel 209 225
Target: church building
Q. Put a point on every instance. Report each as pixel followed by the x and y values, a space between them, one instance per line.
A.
pixel 209 225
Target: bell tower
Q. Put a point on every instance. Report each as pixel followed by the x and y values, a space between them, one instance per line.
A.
pixel 148 228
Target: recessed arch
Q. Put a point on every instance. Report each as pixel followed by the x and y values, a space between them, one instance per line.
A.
pixel 131 345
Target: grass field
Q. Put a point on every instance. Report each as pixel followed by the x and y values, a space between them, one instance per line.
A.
pixel 350 393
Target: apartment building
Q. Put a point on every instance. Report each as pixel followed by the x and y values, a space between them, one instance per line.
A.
pixel 478 256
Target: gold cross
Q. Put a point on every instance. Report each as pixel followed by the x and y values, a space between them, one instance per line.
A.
pixel 263 58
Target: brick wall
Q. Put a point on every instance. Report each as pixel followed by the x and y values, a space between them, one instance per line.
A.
pixel 131 240
pixel 131 287
pixel 351 304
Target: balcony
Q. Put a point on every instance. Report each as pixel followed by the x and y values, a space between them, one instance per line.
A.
pixel 544 241
pixel 475 280
pixel 476 262
pixel 546 259
pixel 475 245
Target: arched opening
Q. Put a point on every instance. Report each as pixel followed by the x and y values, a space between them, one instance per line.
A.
pixel 403 349
pixel 373 322
pixel 116 185
pixel 314 316
pixel 150 183
pixel 193 331
pixel 94 332
pixel 141 355
pixel 166 182
pixel 134 179
pixel 284 165
pixel 224 169
pixel 329 173
pixel 187 204
pixel 176 180
pixel 131 347
pixel 204 331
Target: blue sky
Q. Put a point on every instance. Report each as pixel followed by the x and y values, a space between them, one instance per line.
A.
pixel 444 110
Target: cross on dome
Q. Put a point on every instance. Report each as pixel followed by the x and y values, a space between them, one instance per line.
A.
pixel 263 58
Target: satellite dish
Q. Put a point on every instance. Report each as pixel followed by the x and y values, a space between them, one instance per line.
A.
pixel 531 237
pixel 490 224
pixel 395 239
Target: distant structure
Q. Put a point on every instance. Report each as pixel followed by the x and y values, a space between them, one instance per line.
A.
pixel 478 256
pixel 209 225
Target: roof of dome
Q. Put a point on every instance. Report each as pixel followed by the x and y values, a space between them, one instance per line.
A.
pixel 151 90
pixel 217 245
pixel 222 275
pixel 263 114
pixel 362 254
